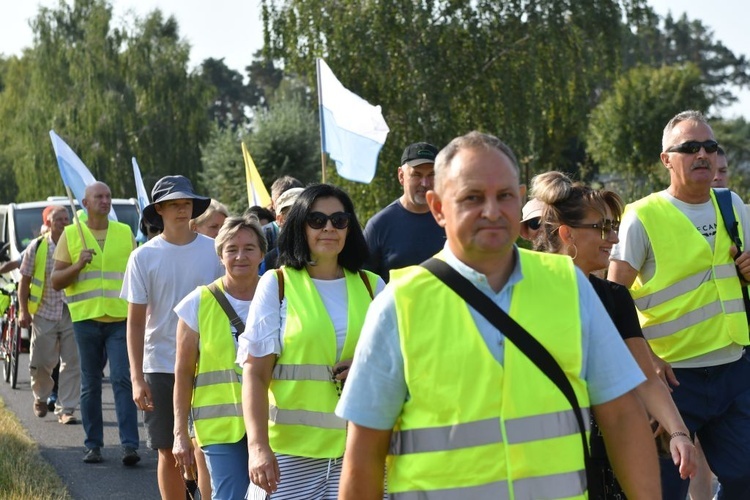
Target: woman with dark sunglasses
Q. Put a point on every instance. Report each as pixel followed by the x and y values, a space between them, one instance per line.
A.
pixel 298 344
pixel 583 223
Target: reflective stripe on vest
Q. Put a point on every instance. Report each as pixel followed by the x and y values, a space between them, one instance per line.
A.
pixel 319 419
pixel 322 373
pixel 486 431
pixel 515 422
pixel 217 377
pixel 36 288
pixel 692 293
pixel 96 291
pixel 217 388
pixel 302 395
pixel 568 485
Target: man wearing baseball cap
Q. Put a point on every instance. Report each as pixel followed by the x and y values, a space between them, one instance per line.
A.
pixel 405 232
pixel 159 274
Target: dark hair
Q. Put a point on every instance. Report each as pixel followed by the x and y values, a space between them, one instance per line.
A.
pixel 566 203
pixel 260 213
pixel 294 250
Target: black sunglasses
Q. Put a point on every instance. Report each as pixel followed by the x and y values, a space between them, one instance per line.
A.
pixel 606 226
pixel 692 147
pixel 534 224
pixel 318 220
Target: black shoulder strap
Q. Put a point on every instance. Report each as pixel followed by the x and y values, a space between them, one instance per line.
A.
pixel 366 280
pixel 237 323
pixel 724 200
pixel 514 332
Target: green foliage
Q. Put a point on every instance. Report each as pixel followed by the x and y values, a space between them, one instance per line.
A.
pixel 625 129
pixel 527 71
pixel 656 41
pixel 110 92
pixel 224 169
pixel 286 141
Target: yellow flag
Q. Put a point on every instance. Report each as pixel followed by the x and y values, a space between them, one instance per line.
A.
pixel 257 194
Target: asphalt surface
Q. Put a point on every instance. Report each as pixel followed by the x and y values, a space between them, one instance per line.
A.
pixel 62 446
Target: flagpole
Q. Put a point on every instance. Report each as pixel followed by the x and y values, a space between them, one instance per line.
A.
pixel 75 217
pixel 322 132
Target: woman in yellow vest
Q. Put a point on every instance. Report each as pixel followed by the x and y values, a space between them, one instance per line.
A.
pixel 582 222
pixel 298 345
pixel 207 380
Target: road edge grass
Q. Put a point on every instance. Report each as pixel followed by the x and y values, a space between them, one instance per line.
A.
pixel 24 474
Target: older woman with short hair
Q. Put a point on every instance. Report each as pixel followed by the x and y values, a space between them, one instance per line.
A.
pixel 298 345
pixel 207 380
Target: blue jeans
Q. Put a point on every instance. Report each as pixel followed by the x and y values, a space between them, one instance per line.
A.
pixel 715 403
pixel 227 465
pixel 96 340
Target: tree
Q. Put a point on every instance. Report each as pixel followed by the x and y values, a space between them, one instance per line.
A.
pixel 526 71
pixel 284 142
pixel 231 95
pixel 657 41
pixel 224 169
pixel 625 130
pixel 110 92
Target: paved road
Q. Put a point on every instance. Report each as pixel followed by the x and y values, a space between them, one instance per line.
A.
pixel 62 446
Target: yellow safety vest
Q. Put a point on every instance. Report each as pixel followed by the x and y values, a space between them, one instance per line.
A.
pixel 36 289
pixel 693 304
pixel 302 394
pixel 475 428
pixel 217 391
pixel 96 292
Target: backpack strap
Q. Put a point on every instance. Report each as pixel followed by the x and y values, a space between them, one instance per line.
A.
pixel 724 200
pixel 238 324
pixel 280 278
pixel 366 279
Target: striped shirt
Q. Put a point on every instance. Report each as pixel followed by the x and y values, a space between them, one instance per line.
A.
pixel 53 302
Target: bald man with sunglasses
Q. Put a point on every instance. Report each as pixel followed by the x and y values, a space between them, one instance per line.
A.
pixel 686 278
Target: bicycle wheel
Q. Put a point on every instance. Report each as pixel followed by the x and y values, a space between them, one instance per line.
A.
pixel 15 351
pixel 5 351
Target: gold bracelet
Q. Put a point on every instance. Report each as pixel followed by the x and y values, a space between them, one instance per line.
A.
pixel 679 433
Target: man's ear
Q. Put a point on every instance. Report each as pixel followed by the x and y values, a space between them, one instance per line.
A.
pixel 665 160
pixel 436 207
pixel 401 175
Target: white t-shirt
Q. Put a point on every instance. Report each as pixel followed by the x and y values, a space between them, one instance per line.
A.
pixel 635 249
pixel 188 309
pixel 161 274
pixel 267 318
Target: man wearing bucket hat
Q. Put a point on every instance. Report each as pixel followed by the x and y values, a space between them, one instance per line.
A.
pixel 405 233
pixel 159 274
pixel 90 259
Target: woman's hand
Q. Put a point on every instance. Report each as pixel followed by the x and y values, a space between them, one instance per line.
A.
pixel 684 456
pixel 263 467
pixel 341 369
pixel 182 449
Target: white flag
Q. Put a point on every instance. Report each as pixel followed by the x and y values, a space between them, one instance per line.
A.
pixel 354 130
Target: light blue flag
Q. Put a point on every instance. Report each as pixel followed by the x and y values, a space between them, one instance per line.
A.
pixel 74 173
pixel 142 194
pixel 353 130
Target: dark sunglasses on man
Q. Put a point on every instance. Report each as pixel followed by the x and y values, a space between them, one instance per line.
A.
pixel 692 147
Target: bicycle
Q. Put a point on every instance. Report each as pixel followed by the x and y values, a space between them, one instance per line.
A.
pixel 10 345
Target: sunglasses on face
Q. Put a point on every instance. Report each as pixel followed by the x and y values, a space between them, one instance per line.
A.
pixel 534 224
pixel 606 226
pixel 692 147
pixel 318 220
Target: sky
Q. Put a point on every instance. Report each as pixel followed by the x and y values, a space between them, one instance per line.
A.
pixel 231 29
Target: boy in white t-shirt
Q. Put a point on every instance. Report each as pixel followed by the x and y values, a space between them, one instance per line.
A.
pixel 159 274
